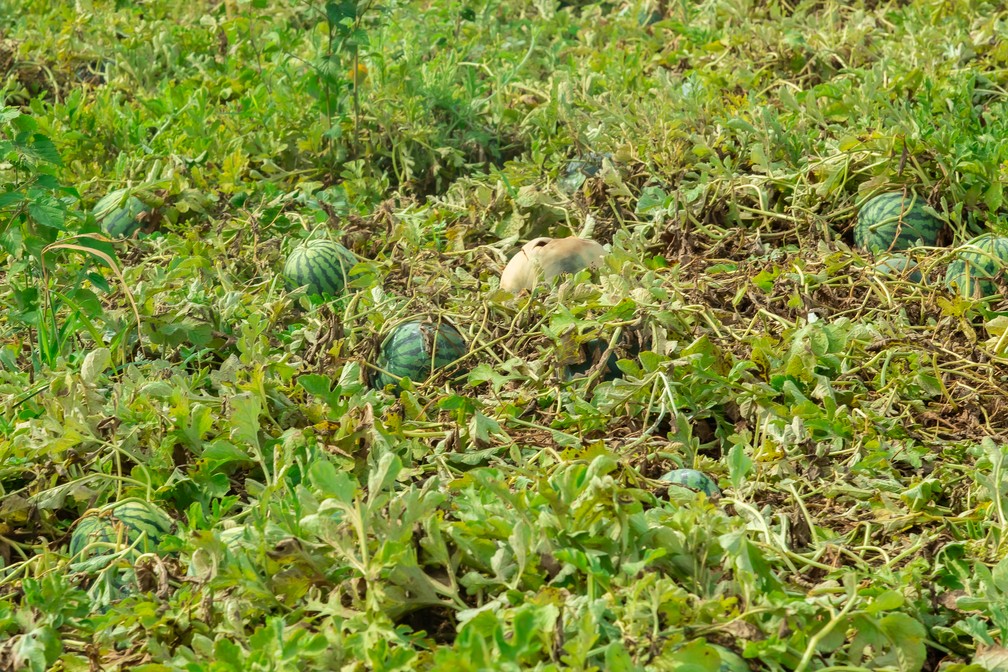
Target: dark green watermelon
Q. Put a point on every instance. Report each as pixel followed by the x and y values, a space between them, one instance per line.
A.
pixel 411 347
pixel 693 480
pixel 978 266
pixel 592 351
pixel 321 264
pixel 896 221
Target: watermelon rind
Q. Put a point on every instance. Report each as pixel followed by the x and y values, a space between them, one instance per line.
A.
pixel 411 347
pixel 978 267
pixel 320 264
pixel 693 480
pixel 896 220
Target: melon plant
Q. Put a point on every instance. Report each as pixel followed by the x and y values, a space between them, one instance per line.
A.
pixel 120 215
pixel 321 264
pixel 895 221
pixel 414 349
pixel 978 266
pixel 693 480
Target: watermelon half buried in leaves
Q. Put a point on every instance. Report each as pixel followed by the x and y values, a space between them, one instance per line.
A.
pixel 593 351
pixel 692 479
pixel 978 266
pixel 895 221
pixel 120 215
pixel 321 264
pixel 898 267
pixel 412 348
pixel 113 528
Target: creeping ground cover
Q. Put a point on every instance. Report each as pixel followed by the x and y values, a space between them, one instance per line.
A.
pixel 266 405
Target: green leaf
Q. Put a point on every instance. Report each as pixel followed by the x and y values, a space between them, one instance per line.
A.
pixel 481 428
pixel 37 649
pixel 245 410
pixel 95 364
pixel 48 213
pixel 887 601
pixel 338 11
pixel 739 465
pixel 383 475
pixel 617 659
pixel 332 483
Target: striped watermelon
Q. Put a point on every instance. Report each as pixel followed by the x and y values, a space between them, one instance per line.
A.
pixel 895 221
pixel 120 215
pixel 321 264
pixel 408 351
pixel 117 526
pixel 899 267
pixel 978 266
pixel 693 480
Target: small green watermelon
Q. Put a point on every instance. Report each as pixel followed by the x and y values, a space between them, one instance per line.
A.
pixel 411 347
pixel 321 264
pixel 899 267
pixel 895 221
pixel 692 479
pixel 119 214
pixel 978 266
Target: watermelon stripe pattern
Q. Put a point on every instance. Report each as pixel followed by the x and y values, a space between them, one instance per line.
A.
pixel 321 264
pixel 406 352
pixel 979 265
pixel 895 221
pixel 120 221
pixel 130 522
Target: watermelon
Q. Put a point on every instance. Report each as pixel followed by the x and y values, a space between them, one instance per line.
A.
pixel 592 352
pixel 408 351
pixel 99 532
pixel 321 264
pixel 978 265
pixel 895 221
pixel 899 267
pixel 120 215
pixel 693 480
pixel 577 171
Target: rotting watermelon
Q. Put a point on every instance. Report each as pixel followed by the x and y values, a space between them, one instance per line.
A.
pixel 321 264
pixel 978 266
pixel 412 347
pixel 693 480
pixel 896 221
